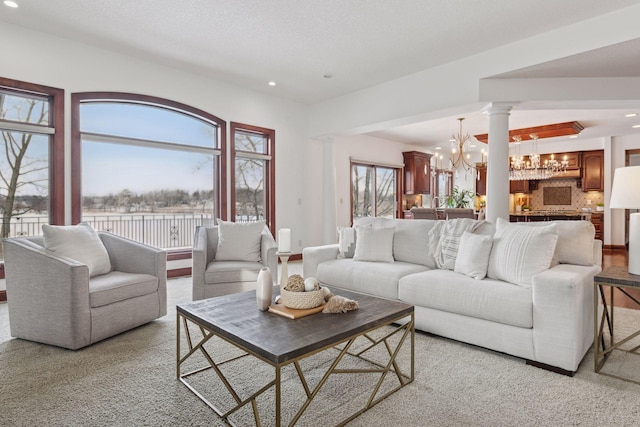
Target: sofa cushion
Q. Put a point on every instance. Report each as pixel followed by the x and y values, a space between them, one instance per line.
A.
pixel 374 278
pixel 411 242
pixel 232 271
pixel 473 255
pixel 239 241
pixel 119 286
pixel 488 299
pixel 575 241
pixel 519 253
pixel 80 243
pixel 374 243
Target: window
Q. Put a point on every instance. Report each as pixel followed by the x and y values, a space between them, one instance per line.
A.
pixel 374 191
pixel 150 168
pixel 253 174
pixel 31 162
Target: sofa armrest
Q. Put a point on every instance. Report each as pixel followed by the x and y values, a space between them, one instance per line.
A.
pixel 48 295
pixel 268 249
pixel 563 314
pixel 129 256
pixel 597 252
pixel 199 256
pixel 313 256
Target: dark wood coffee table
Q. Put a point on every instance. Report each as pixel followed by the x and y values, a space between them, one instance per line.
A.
pixel 236 319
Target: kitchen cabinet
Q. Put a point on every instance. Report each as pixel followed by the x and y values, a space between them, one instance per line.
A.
pixel 519 187
pixel 573 159
pixel 593 170
pixel 597 219
pixel 417 172
pixel 481 181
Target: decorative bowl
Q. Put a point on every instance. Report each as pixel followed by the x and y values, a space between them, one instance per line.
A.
pixel 302 300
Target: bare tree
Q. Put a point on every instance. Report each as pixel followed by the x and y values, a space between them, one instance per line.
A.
pixel 20 170
pixel 249 178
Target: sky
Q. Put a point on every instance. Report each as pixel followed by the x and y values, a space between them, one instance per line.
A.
pixel 111 168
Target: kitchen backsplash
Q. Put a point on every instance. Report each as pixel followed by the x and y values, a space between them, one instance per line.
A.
pixel 579 199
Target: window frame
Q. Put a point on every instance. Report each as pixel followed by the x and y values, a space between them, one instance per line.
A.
pixel 398 171
pixel 270 169
pixel 76 149
pixel 56 144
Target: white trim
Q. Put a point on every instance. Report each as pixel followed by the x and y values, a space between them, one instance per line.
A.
pixel 26 127
pixel 111 139
pixel 370 163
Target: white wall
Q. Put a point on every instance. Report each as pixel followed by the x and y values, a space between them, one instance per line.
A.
pixel 40 58
pixel 614 218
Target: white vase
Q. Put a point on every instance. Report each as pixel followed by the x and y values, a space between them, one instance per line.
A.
pixel 264 289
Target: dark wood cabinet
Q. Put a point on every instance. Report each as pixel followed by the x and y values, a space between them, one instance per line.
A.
pixel 417 172
pixel 597 219
pixel 519 187
pixel 573 159
pixel 593 170
pixel 481 181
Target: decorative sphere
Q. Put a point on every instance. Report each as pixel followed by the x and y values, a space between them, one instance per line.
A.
pixel 295 283
pixel 310 284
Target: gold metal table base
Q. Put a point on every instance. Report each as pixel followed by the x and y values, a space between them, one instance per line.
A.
pixel 403 334
pixel 600 350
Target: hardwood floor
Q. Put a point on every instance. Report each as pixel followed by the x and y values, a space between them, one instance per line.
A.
pixel 611 257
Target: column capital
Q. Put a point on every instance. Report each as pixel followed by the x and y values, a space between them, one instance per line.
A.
pixel 496 108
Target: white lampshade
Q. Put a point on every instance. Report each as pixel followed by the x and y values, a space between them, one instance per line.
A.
pixel 625 194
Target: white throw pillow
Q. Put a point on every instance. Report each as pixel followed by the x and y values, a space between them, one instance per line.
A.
pixel 521 252
pixel 447 248
pixel 239 241
pixel 575 241
pixel 78 242
pixel 346 242
pixel 374 243
pixel 473 255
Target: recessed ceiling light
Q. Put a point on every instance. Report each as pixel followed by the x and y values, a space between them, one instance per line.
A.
pixel 631 115
pixel 327 76
pixel 573 136
pixel 10 3
pixel 438 148
pixel 272 83
pixel 635 126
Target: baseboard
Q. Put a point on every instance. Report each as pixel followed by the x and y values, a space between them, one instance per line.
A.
pixel 3 296
pixel 294 257
pixel 549 368
pixel 614 248
pixel 179 272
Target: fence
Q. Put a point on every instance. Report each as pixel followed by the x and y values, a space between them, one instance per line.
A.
pixel 161 231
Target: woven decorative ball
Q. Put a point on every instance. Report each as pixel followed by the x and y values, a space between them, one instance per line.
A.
pixel 295 283
pixel 302 300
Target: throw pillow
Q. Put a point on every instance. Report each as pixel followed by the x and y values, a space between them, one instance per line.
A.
pixel 79 242
pixel 473 255
pixel 239 241
pixel 447 247
pixel 575 241
pixel 520 252
pixel 346 242
pixel 374 243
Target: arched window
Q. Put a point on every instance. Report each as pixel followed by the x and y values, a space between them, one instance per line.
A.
pixel 146 168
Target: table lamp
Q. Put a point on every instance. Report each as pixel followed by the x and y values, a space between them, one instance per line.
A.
pixel 625 194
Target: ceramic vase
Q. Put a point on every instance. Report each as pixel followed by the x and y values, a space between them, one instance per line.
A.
pixel 264 289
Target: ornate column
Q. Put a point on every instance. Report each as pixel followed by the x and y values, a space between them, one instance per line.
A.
pixel 498 162
pixel 329 222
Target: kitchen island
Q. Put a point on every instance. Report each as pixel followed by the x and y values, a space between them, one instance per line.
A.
pixel 549 215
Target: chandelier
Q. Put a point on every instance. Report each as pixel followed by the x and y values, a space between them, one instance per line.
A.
pixel 458 156
pixel 532 168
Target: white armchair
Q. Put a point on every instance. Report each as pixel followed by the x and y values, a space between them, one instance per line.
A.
pixel 53 300
pixel 213 277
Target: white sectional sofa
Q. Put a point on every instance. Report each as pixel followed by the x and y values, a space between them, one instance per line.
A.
pixel 546 318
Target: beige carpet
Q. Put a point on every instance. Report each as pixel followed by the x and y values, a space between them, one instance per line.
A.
pixel 129 380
